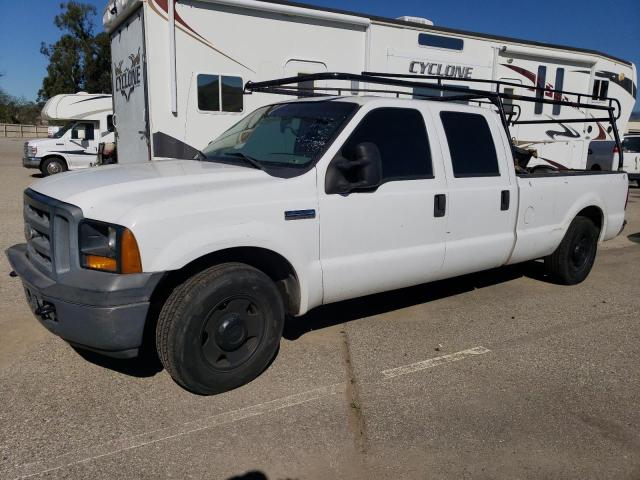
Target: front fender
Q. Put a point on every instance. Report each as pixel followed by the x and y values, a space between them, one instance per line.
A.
pixel 297 242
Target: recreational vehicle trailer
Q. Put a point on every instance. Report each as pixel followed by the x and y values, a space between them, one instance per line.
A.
pixel 179 68
pixel 89 122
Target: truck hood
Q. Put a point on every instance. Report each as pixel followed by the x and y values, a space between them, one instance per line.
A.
pixel 108 192
pixel 44 142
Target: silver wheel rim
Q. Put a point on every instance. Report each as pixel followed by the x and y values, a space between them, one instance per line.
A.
pixel 53 168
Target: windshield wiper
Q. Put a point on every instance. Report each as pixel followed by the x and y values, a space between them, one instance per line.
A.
pixel 250 160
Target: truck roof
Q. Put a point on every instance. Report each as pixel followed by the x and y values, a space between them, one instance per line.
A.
pixel 369 99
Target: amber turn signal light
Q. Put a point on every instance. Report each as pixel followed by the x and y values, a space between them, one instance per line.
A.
pixel 129 253
pixel 96 262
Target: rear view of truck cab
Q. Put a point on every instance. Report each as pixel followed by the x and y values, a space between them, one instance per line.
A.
pixel 88 121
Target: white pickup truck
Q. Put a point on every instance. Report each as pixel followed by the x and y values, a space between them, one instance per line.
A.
pixel 300 204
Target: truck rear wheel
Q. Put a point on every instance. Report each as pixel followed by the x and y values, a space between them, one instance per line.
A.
pixel 220 329
pixel 573 259
pixel 53 165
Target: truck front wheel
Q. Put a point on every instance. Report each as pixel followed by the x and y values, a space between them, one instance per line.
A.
pixel 572 261
pixel 53 165
pixel 220 329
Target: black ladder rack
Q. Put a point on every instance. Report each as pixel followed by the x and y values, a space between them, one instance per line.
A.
pixel 297 86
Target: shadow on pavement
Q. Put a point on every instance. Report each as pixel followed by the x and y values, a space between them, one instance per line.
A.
pixel 634 237
pixel 37 175
pixel 146 365
pixel 349 310
pixel 253 475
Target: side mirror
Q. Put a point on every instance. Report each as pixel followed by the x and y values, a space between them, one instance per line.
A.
pixel 362 171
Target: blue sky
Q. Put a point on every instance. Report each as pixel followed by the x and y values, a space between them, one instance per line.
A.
pixel 612 27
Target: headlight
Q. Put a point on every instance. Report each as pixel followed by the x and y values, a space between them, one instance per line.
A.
pixel 108 247
pixel 32 151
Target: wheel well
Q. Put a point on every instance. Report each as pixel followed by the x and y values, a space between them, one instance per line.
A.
pixel 274 265
pixel 594 214
pixel 44 159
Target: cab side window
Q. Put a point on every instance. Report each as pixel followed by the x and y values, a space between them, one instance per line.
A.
pixel 401 137
pixel 473 153
pixel 88 131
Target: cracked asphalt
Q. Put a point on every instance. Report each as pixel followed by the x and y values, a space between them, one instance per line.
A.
pixel 510 377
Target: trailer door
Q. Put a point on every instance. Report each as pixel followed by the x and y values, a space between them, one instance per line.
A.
pixel 130 102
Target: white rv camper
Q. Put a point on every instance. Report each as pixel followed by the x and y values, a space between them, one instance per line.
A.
pixel 89 122
pixel 179 67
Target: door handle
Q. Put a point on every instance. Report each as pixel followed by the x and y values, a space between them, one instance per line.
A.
pixel 439 205
pixel 505 197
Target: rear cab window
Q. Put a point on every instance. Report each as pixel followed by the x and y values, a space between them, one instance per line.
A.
pixel 471 145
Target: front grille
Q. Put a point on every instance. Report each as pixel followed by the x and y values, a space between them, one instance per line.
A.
pixel 48 225
pixel 37 231
pixel 26 149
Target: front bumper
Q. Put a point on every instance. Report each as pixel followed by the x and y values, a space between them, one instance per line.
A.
pixel 107 314
pixel 31 162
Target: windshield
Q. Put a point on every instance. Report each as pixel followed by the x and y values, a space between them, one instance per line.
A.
pixel 285 135
pixel 60 133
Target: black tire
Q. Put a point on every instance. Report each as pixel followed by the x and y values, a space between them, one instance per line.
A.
pixel 220 329
pixel 53 165
pixel 573 259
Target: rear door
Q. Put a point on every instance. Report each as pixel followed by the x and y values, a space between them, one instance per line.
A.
pixel 482 199
pixel 130 101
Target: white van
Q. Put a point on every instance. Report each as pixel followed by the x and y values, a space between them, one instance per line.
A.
pixel 89 120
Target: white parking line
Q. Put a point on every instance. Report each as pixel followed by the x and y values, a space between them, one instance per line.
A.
pixel 433 362
pixel 146 438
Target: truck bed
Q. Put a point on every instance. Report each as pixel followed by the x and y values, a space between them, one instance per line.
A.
pixel 550 201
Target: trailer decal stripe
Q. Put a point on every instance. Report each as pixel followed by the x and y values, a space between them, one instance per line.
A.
pixel 161 8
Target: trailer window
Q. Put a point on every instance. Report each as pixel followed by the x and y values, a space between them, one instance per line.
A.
pixel 600 90
pixel 559 86
pixel 110 126
pixel 428 40
pixel 401 137
pixel 473 153
pixel 231 94
pixel 507 102
pixel 220 93
pixel 540 83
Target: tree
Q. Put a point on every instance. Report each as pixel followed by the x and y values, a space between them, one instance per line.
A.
pixel 79 60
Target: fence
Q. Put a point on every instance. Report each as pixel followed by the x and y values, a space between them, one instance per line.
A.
pixel 10 130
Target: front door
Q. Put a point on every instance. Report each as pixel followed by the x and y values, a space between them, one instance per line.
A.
pixel 129 90
pixel 83 149
pixel 387 238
